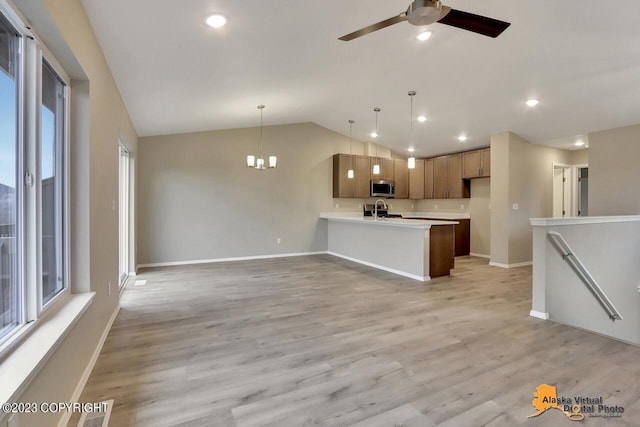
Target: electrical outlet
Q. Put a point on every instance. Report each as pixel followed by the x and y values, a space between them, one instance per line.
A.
pixel 390 206
pixel 515 206
pixel 412 206
pixel 436 207
pixel 278 240
pixel 359 205
pixel 461 207
pixel 109 287
pixel 337 205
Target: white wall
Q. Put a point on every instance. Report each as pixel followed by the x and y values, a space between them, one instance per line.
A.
pixel 521 188
pixel 614 169
pixel 199 201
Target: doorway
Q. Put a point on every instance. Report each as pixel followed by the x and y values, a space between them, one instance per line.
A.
pixel 123 213
pixel 582 190
pixel 561 190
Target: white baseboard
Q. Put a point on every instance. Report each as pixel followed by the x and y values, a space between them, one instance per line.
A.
pixel 241 258
pixel 480 255
pixel 539 315
pixel 516 265
pixel 87 372
pixel 380 267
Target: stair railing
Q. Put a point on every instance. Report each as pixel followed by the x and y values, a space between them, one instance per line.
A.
pixel 567 254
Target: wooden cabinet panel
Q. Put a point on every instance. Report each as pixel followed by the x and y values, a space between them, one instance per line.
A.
pixel 342 186
pixel 454 177
pixel 401 177
pixel 471 164
pixel 362 177
pixel 477 163
pixel 428 178
pixel 358 186
pixel 485 164
pixel 440 175
pixel 386 168
pixel 416 181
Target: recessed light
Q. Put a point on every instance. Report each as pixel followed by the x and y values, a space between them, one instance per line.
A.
pixel 462 138
pixel 411 150
pixel 532 102
pixel 424 36
pixel 579 143
pixel 374 135
pixel 216 20
pixel 422 119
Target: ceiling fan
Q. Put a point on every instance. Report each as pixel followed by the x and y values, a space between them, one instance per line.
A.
pixel 425 12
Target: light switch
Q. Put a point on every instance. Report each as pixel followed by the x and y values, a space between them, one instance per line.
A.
pixel 516 206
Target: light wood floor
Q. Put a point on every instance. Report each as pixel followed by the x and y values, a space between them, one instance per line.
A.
pixel 319 340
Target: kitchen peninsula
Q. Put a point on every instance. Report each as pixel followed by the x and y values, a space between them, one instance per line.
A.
pixel 414 248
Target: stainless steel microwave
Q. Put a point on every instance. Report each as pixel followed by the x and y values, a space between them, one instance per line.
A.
pixel 383 188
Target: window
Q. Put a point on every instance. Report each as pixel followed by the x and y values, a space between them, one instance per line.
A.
pixel 33 145
pixel 10 290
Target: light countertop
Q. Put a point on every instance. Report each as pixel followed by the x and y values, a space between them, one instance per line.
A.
pixel 394 222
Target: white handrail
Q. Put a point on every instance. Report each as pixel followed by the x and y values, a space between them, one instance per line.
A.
pixel 567 254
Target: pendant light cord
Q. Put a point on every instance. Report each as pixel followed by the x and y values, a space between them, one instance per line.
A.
pixel 351 122
pixel 261 130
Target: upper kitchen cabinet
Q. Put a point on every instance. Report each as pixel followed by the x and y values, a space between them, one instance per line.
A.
pixel 386 168
pixel 447 178
pixel 358 186
pixel 477 163
pixel 362 171
pixel 401 177
pixel 416 181
pixel 428 178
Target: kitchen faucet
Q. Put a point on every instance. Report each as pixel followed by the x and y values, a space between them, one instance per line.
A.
pixel 375 208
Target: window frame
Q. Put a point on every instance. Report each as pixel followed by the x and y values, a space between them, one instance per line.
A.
pixel 32 52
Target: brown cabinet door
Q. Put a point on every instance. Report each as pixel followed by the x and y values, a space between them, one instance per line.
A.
pixel 342 186
pixel 458 188
pixel 386 168
pixel 485 163
pixel 428 178
pixel 401 177
pixel 416 181
pixel 362 188
pixel 440 175
pixel 471 164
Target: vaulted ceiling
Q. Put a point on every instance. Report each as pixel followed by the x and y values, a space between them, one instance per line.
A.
pixel 580 58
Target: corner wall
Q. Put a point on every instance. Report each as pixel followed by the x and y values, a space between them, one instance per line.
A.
pixel 614 168
pixel 198 200
pixel 521 188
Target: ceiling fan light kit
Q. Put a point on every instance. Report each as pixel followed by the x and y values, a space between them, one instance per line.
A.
pixel 426 12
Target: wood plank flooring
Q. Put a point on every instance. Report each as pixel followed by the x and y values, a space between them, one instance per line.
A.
pixel 318 340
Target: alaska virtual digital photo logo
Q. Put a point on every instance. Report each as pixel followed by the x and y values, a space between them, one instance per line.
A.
pixel 576 408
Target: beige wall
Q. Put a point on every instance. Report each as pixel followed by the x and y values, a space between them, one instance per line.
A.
pixel 478 209
pixel 198 200
pixel 614 170
pixel 94 224
pixel 521 174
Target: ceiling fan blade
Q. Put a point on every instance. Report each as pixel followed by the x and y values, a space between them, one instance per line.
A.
pixel 476 23
pixel 375 27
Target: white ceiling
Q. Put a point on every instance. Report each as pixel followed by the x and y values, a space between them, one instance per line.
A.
pixel 581 58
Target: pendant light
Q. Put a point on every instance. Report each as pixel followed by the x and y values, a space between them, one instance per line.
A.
pixel 350 171
pixel 411 163
pixel 258 163
pixel 376 166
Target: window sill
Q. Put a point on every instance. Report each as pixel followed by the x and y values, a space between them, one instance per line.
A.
pixel 19 368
